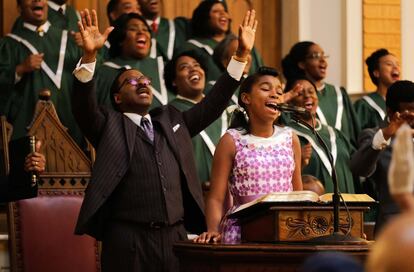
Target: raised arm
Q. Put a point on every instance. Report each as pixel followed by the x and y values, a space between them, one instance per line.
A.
pixel 84 104
pixel 92 39
pixel 211 107
pixel 372 142
pixel 247 35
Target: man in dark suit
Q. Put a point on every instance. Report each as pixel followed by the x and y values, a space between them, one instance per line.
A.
pixel 144 192
pixel 373 157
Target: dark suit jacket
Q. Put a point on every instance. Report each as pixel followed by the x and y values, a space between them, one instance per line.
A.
pixel 368 162
pixel 113 136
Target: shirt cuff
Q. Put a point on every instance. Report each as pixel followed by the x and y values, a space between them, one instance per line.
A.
pixel 236 68
pixel 84 72
pixel 378 142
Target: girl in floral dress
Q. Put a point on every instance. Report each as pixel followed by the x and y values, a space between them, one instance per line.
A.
pixel 255 157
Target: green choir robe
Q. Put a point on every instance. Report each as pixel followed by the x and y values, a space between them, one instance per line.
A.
pixel 205 46
pixel 60 58
pixel 68 21
pixel 319 165
pixel 153 68
pixel 170 36
pixel 371 110
pixel 204 143
pixel 335 109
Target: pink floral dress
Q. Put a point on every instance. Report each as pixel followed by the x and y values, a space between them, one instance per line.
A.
pixel 261 166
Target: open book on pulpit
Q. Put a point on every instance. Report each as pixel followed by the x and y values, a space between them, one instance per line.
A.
pixel 298 197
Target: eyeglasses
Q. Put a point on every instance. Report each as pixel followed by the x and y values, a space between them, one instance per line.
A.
pixel 137 82
pixel 317 56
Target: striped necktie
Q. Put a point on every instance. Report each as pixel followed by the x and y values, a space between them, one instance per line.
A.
pixel 147 127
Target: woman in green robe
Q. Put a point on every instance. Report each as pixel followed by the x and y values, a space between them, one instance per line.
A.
pixel 315 159
pixel 384 70
pixel 130 48
pixel 210 24
pixel 185 76
pixel 335 108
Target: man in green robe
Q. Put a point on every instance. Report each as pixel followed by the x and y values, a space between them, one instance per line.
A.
pixel 34 57
pixel 384 70
pixel 60 15
pixel 168 33
pixel 185 76
pixel 130 49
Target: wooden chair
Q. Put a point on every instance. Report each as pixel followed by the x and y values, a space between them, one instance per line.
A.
pixel 41 229
pixel 41 235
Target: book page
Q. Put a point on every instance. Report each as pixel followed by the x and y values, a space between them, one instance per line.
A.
pixel 294 196
pixel 291 196
pixel 347 198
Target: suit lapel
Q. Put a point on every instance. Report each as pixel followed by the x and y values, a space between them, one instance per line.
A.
pixel 130 133
pixel 165 124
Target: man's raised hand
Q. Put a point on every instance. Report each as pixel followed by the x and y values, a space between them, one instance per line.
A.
pixel 92 39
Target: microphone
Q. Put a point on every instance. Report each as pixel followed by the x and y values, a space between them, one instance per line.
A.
pixel 292 109
pixel 32 142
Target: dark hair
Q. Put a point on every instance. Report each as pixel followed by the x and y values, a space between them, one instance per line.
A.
pixel 238 119
pixel 170 68
pixel 115 86
pixel 110 8
pixel 401 91
pixel 118 35
pixel 297 53
pixel 201 16
pixel 221 51
pixel 373 63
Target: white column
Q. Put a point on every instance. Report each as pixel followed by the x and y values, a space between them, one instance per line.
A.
pixel 336 25
pixel 407 39
pixel 320 21
pixel 353 49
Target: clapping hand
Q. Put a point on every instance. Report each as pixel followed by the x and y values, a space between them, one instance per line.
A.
pixel 247 34
pixel 306 154
pixel 296 91
pixel 31 63
pixel 92 39
pixel 396 120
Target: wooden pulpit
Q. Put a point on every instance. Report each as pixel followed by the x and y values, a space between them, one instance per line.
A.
pixel 292 222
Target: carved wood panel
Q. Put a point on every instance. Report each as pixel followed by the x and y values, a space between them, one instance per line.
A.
pixel 67 166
